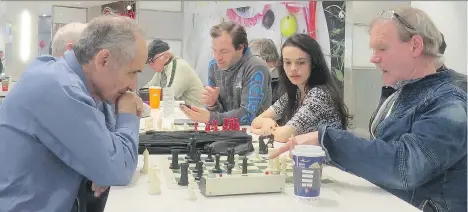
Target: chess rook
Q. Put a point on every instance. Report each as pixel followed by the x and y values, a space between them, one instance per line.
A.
pixel 175 159
pixel 244 165
pixel 183 181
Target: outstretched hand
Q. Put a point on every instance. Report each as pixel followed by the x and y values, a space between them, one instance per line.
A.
pixel 304 139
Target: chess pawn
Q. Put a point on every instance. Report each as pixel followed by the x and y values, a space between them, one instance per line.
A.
pixel 271 162
pixel 257 154
pixel 144 170
pixel 159 124
pixel 149 124
pixel 154 186
pixel 284 165
pixel 277 164
pixel 191 190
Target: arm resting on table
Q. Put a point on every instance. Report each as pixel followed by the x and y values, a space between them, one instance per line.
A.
pixel 435 142
pixel 253 95
pixel 76 132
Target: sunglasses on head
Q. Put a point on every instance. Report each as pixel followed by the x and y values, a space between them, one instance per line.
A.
pixel 398 17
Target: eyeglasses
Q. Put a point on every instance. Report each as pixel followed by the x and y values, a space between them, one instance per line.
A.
pixel 400 19
pixel 155 58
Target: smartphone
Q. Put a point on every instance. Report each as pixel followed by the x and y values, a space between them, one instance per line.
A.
pixel 186 105
pixel 183 121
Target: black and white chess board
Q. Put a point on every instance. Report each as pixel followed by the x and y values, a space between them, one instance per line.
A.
pixel 254 166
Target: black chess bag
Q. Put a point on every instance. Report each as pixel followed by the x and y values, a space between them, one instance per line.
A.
pixel 158 142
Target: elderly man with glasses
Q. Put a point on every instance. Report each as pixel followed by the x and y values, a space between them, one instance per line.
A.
pixel 172 71
pixel 418 146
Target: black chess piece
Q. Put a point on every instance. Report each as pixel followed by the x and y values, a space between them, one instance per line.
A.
pixel 175 159
pixel 210 154
pixel 198 156
pixel 189 150
pixel 199 169
pixel 196 167
pixel 217 169
pixel 183 181
pixel 262 147
pixel 271 141
pixel 192 150
pixel 244 165
pixel 228 156
pixel 229 168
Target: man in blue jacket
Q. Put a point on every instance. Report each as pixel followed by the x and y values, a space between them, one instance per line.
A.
pixel 53 133
pixel 418 146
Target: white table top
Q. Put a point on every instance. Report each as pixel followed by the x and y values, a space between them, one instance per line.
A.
pixel 347 193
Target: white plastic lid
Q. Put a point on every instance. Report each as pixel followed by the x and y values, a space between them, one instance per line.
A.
pixel 308 151
pixel 154 87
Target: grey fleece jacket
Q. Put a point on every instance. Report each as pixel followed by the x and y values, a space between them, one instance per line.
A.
pixel 244 89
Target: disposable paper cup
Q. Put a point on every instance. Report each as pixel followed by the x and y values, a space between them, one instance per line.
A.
pixel 307 165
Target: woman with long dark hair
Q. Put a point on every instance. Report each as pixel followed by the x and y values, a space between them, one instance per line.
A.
pixel 312 95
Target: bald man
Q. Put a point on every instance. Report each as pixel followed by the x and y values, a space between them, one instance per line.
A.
pixel 66 37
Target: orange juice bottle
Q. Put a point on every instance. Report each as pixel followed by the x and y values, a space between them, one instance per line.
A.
pixel 155 97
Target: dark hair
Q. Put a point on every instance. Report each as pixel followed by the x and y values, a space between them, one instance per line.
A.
pixel 443 45
pixel 236 31
pixel 320 76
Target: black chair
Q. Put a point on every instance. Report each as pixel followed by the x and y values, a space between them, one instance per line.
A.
pixel 87 202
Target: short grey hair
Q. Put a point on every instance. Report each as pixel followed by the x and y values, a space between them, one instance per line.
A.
pixel 265 48
pixel 111 32
pixel 70 33
pixel 412 21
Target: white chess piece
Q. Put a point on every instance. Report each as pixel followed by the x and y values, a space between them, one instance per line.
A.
pixel 149 123
pixel 154 186
pixel 236 159
pixel 271 162
pixel 191 190
pixel 277 164
pixel 257 153
pixel 144 170
pixel 284 164
pixel 159 124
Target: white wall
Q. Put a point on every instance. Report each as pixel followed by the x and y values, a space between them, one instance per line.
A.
pixel 24 36
pixel 64 15
pixel 451 19
pixel 163 20
pixel 93 12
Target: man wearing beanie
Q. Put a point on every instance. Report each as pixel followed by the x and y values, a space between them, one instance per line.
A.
pixel 172 71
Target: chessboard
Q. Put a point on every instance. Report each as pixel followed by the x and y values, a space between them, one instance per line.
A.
pixel 254 166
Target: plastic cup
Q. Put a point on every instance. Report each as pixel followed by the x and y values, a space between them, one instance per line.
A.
pixel 307 164
pixel 155 97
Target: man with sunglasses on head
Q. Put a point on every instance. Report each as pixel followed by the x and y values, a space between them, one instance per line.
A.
pixel 419 135
pixel 172 71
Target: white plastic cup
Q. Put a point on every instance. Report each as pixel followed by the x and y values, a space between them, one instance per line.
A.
pixel 307 164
